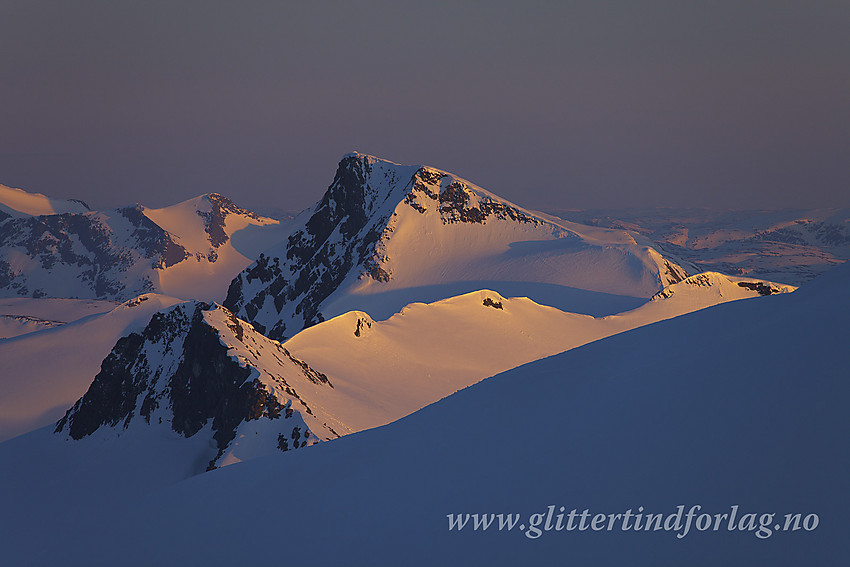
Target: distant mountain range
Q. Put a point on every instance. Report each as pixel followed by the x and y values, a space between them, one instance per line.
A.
pixel 790 246
pixel 51 248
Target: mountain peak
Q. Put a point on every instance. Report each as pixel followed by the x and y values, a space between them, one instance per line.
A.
pixel 198 368
pixel 385 228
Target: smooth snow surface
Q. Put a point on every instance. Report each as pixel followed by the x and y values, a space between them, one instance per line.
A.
pixel 18 202
pixel 206 274
pixel 20 315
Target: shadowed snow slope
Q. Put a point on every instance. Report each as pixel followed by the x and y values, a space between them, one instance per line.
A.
pixel 740 404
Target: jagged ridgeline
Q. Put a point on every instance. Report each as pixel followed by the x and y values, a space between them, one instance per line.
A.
pixel 120 253
pixel 199 370
pixel 383 228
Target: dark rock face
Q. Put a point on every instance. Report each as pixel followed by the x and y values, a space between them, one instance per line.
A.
pixel 362 324
pixel 112 396
pixel 673 273
pixel 761 287
pixel 209 385
pixel 488 302
pixel 214 220
pixel 454 201
pixel 86 244
pixel 124 375
pixel 318 256
pixel 178 363
pixel 153 240
pixel 455 207
pixel 112 255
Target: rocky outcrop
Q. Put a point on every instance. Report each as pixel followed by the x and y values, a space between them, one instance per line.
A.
pixel 189 368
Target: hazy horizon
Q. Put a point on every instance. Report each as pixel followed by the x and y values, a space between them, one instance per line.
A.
pixel 739 105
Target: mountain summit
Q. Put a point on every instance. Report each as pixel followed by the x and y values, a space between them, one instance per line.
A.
pixel 386 234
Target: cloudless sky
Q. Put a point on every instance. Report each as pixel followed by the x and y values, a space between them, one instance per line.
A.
pixel 736 104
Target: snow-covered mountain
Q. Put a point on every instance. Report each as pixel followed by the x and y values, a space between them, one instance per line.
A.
pixel 791 246
pixel 196 367
pixel 385 235
pixel 739 405
pixel 51 248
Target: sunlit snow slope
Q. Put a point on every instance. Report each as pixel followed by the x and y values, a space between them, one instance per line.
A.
pixel 391 368
pixel 17 202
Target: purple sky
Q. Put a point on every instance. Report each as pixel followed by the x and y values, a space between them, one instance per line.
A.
pixel 550 104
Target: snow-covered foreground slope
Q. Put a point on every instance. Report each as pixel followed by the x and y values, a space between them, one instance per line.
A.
pixel 45 372
pixel 388 369
pixel 16 325
pixel 191 250
pixel 743 404
pixel 385 235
